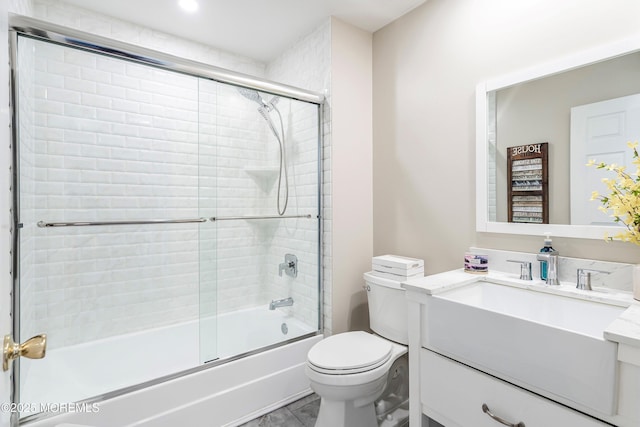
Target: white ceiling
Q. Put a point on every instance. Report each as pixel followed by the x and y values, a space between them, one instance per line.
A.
pixel 259 29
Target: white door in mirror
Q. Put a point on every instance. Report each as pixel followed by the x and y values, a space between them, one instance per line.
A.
pixel 600 131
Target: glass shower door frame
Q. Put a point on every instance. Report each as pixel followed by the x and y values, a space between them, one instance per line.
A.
pixel 59 35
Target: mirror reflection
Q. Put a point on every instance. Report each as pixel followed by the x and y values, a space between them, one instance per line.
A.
pixel 587 112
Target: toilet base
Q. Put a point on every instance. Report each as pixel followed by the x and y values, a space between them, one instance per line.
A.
pixel 351 406
pixel 345 413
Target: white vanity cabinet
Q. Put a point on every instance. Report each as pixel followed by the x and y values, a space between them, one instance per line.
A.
pixel 452 389
pixel 454 394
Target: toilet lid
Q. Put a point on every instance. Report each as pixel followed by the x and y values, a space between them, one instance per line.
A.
pixel 349 352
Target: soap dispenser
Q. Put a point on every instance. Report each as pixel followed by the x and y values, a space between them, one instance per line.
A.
pixel 546 248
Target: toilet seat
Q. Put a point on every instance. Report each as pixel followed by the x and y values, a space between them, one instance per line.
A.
pixel 349 353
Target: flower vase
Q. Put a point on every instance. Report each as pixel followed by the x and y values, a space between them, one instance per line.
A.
pixel 636 282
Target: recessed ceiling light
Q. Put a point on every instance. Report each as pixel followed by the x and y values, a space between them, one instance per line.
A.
pixel 188 5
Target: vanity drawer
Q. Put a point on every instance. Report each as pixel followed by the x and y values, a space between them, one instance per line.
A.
pixel 453 395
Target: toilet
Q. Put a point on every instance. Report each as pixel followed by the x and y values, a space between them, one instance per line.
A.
pixel 362 378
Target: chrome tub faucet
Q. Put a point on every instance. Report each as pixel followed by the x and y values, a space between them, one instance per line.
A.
pixel 284 302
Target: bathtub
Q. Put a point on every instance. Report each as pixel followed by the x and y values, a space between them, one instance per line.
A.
pixel 232 391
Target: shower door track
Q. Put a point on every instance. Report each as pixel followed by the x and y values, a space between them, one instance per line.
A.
pixel 44 30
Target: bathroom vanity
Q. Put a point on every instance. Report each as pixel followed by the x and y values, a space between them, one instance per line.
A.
pixel 497 350
pixel 492 349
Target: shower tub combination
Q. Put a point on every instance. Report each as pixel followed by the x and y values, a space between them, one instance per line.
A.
pixel 234 391
pixel 157 202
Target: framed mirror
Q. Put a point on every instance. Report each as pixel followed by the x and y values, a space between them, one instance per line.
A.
pixel 583 106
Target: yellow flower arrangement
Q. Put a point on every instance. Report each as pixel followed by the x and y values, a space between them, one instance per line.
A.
pixel 624 198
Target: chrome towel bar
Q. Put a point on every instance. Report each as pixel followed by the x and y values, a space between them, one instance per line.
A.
pixel 236 218
pixel 43 224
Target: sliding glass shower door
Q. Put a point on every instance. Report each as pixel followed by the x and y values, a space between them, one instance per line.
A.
pixel 158 213
pixel 267 212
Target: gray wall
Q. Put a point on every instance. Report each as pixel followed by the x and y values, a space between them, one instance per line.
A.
pixel 426 67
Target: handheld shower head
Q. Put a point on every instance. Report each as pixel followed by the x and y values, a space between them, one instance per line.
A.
pixel 255 96
pixel 264 109
pixel 252 95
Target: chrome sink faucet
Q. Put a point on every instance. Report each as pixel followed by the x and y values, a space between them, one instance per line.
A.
pixel 525 269
pixel 284 302
pixel 584 278
pixel 552 266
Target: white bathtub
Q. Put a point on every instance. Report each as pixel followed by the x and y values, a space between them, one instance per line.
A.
pixel 223 395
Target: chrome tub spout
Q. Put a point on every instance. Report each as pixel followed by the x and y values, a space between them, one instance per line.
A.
pixel 284 302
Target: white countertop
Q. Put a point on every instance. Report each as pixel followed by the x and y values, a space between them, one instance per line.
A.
pixel 625 329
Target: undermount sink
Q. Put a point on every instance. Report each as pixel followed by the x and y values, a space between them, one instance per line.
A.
pixel 549 343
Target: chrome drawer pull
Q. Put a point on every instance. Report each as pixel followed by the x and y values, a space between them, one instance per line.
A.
pixel 486 410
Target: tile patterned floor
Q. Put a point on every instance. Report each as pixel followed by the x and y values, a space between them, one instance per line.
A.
pixel 301 413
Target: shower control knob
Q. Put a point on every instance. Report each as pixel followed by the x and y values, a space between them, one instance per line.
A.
pixel 289 266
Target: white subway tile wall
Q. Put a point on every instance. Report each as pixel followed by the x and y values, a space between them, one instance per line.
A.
pixel 136 155
pixel 109 158
pixel 307 64
pixel 229 278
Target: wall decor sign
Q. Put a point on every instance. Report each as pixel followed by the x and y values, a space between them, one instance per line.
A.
pixel 528 183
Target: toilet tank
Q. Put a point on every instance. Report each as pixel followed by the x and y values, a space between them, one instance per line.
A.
pixel 387 308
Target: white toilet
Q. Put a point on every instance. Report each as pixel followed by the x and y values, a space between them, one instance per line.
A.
pixel 362 378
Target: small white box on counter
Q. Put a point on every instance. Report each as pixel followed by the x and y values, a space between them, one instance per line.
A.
pixel 397 261
pixel 398 265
